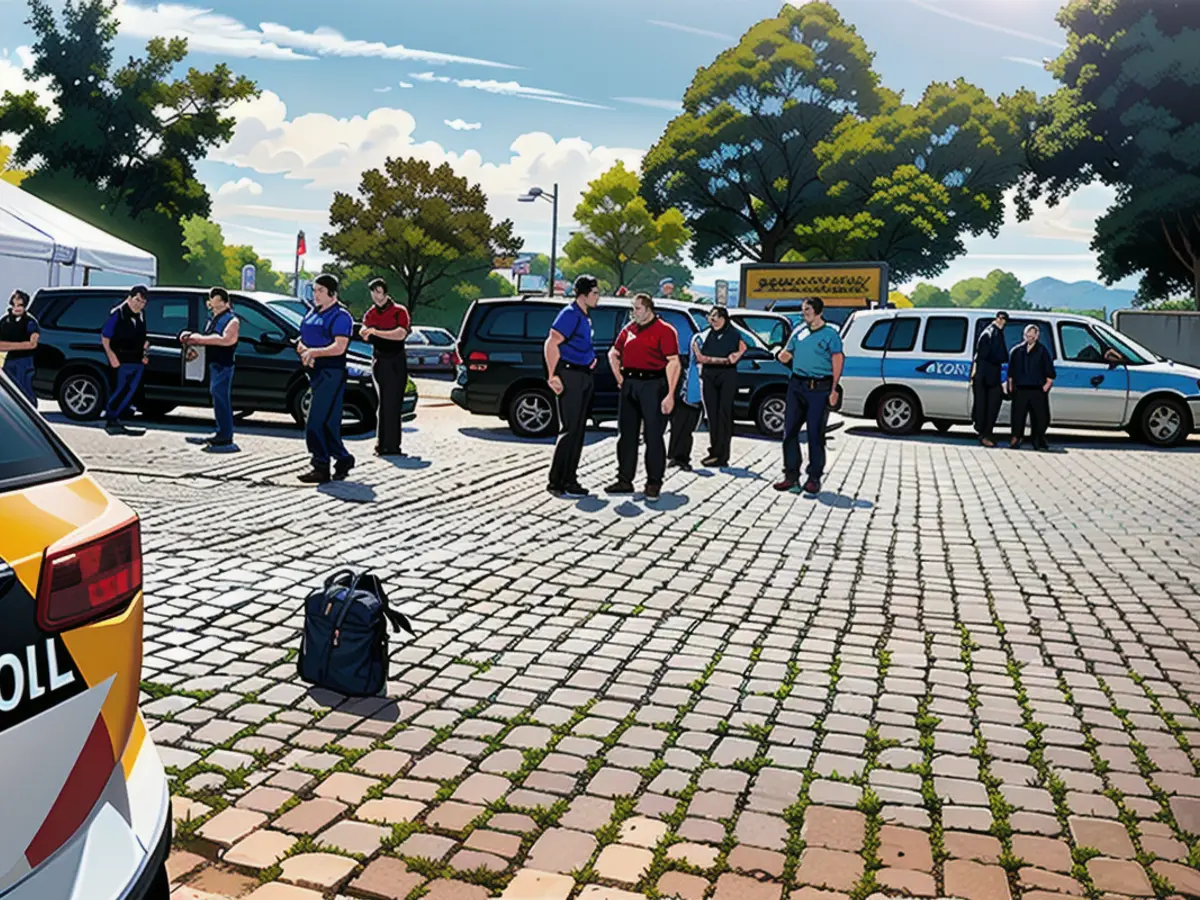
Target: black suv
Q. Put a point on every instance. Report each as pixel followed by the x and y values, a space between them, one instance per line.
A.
pixel 70 366
pixel 503 370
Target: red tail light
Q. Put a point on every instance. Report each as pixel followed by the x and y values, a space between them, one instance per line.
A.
pixel 455 359
pixel 90 581
pixel 477 361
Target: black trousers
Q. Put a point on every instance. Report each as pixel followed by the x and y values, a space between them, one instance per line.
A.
pixel 391 378
pixel 640 407
pixel 684 420
pixel 986 407
pixel 573 405
pixel 720 391
pixel 1033 403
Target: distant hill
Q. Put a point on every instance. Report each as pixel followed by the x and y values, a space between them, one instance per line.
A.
pixel 1050 293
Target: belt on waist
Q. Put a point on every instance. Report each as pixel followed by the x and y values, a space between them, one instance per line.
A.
pixel 644 374
pixel 573 367
pixel 814 383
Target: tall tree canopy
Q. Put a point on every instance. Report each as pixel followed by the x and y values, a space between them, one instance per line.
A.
pixel 211 261
pixel 1128 116
pixel 739 161
pixel 424 229
pixel 619 239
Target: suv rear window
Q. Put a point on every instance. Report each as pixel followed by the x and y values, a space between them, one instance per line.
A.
pixel 29 454
pixel 87 313
pixel 518 322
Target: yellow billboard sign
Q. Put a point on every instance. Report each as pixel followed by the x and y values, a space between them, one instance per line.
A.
pixel 838 284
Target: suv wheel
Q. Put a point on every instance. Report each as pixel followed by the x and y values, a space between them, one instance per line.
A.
pixel 770 414
pixel 898 413
pixel 1163 422
pixel 532 414
pixel 81 395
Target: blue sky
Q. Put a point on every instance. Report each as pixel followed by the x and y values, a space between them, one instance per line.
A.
pixel 537 91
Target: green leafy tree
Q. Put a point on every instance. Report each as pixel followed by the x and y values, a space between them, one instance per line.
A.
pixel 913 181
pixel 740 161
pixel 930 295
pixel 425 230
pixel 1128 116
pixel 999 290
pixel 210 261
pixel 619 236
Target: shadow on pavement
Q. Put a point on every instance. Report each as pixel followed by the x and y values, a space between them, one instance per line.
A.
pixel 591 504
pixel 841 501
pixel 504 435
pixel 739 472
pixel 1059 443
pixel 350 491
pixel 410 463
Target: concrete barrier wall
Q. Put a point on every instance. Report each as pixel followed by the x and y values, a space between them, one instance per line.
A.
pixel 1174 334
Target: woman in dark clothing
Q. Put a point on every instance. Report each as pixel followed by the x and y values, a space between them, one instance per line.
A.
pixel 1030 376
pixel 720 350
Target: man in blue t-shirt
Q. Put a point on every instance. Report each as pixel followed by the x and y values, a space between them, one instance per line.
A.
pixel 220 337
pixel 570 359
pixel 814 353
pixel 324 336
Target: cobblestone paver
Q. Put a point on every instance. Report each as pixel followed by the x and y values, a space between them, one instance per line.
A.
pixel 956 672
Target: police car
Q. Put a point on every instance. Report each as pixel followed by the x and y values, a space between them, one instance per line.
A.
pixel 908 366
pixel 86 813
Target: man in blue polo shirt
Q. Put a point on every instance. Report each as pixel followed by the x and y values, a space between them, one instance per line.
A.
pixel 815 355
pixel 324 336
pixel 570 359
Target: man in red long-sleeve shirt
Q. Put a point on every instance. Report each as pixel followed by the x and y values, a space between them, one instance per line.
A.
pixel 385 327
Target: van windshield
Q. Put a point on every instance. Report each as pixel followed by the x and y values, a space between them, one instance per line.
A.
pixel 1134 352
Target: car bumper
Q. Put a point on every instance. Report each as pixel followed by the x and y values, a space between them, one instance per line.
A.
pixel 117 853
pixel 1194 408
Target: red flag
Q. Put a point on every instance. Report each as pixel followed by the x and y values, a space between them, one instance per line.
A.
pixel 301 249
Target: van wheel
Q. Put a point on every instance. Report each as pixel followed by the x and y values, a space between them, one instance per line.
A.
pixel 942 425
pixel 81 395
pixel 898 413
pixel 532 414
pixel 770 414
pixel 1164 422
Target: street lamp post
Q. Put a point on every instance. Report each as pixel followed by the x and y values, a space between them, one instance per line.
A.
pixel 528 197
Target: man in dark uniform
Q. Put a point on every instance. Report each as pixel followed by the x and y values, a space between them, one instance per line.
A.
pixel 570 360
pixel 220 339
pixel 645 361
pixel 18 343
pixel 815 355
pixel 324 336
pixel 991 352
pixel 1030 376
pixel 385 328
pixel 124 340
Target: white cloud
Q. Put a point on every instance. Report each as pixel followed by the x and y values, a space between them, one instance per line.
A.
pixel 210 32
pixel 15 76
pixel 405 84
pixel 689 29
pixel 460 125
pixel 990 26
pixel 506 88
pixel 329 154
pixel 383 90
pixel 671 105
pixel 239 187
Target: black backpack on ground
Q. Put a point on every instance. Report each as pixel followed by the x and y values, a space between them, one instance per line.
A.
pixel 344 646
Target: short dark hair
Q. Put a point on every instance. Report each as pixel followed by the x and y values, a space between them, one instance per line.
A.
pixel 585 284
pixel 18 295
pixel 139 290
pixel 1002 315
pixel 721 312
pixel 219 292
pixel 327 281
pixel 647 300
pixel 377 283
pixel 817 304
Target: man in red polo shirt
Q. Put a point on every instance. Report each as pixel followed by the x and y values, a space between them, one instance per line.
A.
pixel 645 361
pixel 385 327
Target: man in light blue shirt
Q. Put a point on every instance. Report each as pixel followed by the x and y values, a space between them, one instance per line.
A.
pixel 814 353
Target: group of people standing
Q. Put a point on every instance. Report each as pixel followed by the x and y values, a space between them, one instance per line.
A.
pixel 646 362
pixel 1031 375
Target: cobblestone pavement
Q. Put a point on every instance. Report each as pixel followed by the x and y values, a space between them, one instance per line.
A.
pixel 956 672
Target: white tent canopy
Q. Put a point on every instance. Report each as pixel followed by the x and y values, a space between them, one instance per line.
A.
pixel 71 250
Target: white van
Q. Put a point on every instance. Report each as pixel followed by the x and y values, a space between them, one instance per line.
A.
pixel 908 366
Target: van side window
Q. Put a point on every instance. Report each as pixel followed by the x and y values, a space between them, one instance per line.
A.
pixel 167 316
pixel 506 323
pixel 1014 333
pixel 945 334
pixel 877 337
pixel 904 335
pixel 86 313
pixel 606 322
pixel 1079 344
